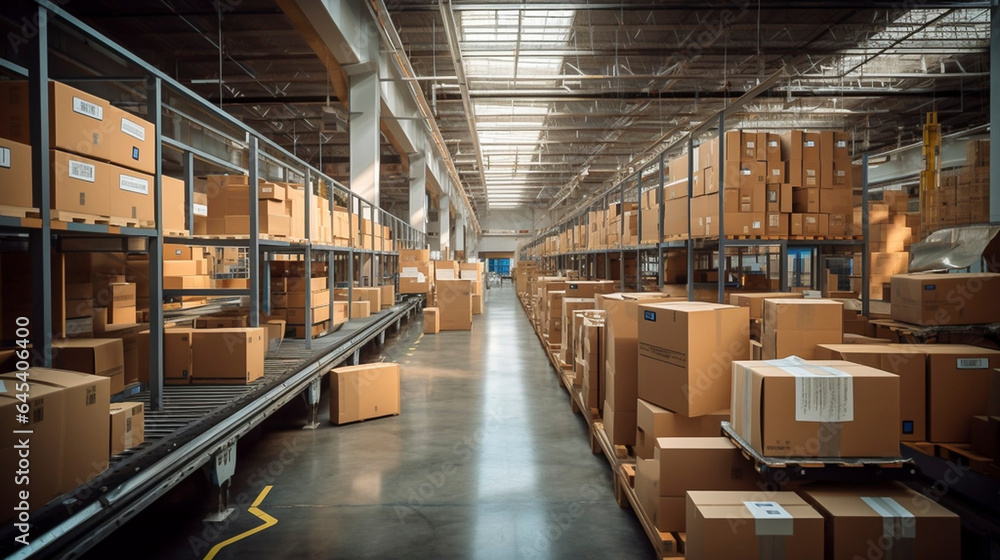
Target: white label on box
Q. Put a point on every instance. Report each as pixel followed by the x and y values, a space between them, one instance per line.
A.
pixel 973 363
pixel 200 209
pixel 133 184
pixel 772 144
pixel 135 130
pixel 810 143
pixel 776 171
pixel 409 272
pixel 755 225
pixel 774 220
pixel 770 519
pixel 444 274
pixel 469 275
pixel 87 108
pixel 82 171
pixel 822 394
pixel 5 157
pixel 749 144
pixel 842 144
pixel 746 171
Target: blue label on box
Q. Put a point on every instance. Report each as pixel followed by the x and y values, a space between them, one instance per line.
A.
pixel 649 315
pixel 929 287
pixel 907 426
pixel 135 153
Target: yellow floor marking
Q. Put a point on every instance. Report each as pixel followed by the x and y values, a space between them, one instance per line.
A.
pixel 267 519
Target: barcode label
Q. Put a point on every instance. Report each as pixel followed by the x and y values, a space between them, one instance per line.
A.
pixel 773 144
pixel 973 363
pixel 755 225
pixel 750 145
pixel 774 220
pixel 810 143
pixel 745 171
pixel 842 143
pixel 134 130
pixel 5 157
pixel 82 171
pixel 133 184
pixel 776 171
pixel 87 108
pixel 200 209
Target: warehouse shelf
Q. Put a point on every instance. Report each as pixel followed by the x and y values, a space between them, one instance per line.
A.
pixel 197 425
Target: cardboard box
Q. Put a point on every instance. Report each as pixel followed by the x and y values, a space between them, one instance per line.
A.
pixel 432 320
pixel 666 513
pixel 97 356
pixel 127 423
pixel 589 288
pixel 593 339
pixel 884 521
pixel 958 388
pixel 178 366
pixel 477 304
pixel 318 298
pixel 806 200
pixel 80 185
pixel 620 425
pixel 454 299
pixel 793 327
pixel 904 361
pixel 275 332
pixel 685 353
pixel 364 391
pixel 387 296
pixel 72 408
pixel 752 525
pixel 816 409
pixel 180 268
pixel 15 174
pixel 228 356
pixel 685 464
pixel 755 301
pixel 946 299
pixel 131 195
pixel 361 309
pixel 653 422
pixel 415 278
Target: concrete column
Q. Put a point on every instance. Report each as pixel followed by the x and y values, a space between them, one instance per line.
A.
pixel 365 135
pixel 444 219
pixel 418 192
pixel 995 114
pixel 460 233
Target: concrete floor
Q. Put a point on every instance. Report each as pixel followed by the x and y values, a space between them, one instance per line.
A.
pixel 485 461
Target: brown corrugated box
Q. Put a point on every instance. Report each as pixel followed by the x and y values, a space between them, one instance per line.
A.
pixel 755 301
pixel 131 195
pixel 432 320
pixel 177 359
pixel 15 174
pixel 883 520
pixel 228 356
pixel 816 409
pixel 80 185
pixel 127 426
pixel 653 422
pixel 752 526
pixel 793 327
pixel 360 309
pixel 364 391
pixel 97 356
pixel 685 353
pixel 946 299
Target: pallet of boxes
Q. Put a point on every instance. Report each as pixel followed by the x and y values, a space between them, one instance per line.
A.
pixel 288 289
pixel 789 411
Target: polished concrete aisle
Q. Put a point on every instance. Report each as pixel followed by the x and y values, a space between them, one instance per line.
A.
pixel 485 461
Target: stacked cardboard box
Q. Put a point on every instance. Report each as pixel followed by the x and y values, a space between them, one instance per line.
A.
pixel 229 206
pixel 590 361
pixel 416 272
pixel 102 157
pixel 891 231
pixel 288 289
pixel 963 196
pixel 570 306
pixel 69 427
pixel 794 327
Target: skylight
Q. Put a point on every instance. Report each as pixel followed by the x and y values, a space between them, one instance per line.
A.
pixel 505 152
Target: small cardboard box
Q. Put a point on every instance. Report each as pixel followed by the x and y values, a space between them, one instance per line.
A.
pixel 793 327
pixel 755 301
pixel 686 350
pixel 127 424
pixel 946 299
pixel 752 526
pixel 228 356
pixel 361 309
pixel 904 361
pixel 432 320
pixel 653 422
pixel 364 391
pixel 876 521
pixel 96 356
pixel 799 408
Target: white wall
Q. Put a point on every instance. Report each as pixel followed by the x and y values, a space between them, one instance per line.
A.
pixel 530 219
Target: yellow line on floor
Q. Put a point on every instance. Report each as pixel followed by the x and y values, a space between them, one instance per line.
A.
pixel 267 519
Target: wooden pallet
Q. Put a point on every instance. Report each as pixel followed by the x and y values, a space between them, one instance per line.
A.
pixel 176 233
pixel 665 544
pixel 962 454
pixel 75 218
pixel 19 212
pixel 240 237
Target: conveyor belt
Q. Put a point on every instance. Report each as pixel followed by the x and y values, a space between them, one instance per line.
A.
pixel 195 423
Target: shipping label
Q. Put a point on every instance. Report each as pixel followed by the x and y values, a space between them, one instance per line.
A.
pixel 822 394
pixel 82 171
pixel 88 109
pixel 137 185
pixel 135 130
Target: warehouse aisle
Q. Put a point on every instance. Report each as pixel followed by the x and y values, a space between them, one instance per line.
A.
pixel 485 461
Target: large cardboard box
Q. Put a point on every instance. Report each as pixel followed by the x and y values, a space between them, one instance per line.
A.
pixel 415 277
pixel 131 195
pixel 958 387
pixel 364 391
pixel 127 426
pixel 387 297
pixel 755 301
pixel 793 327
pixel 15 174
pixel 884 521
pixel 684 464
pixel 80 185
pixel 589 288
pixel 446 270
pixel 97 356
pixel 798 408
pixel 653 422
pixel 70 424
pixel 177 359
pixel 685 354
pixel 432 320
pixel 904 361
pixel 946 299
pixel 454 299
pixel 228 356
pixel 752 526
pixel 569 306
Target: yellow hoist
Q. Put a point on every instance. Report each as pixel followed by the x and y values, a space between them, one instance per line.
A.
pixel 930 177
